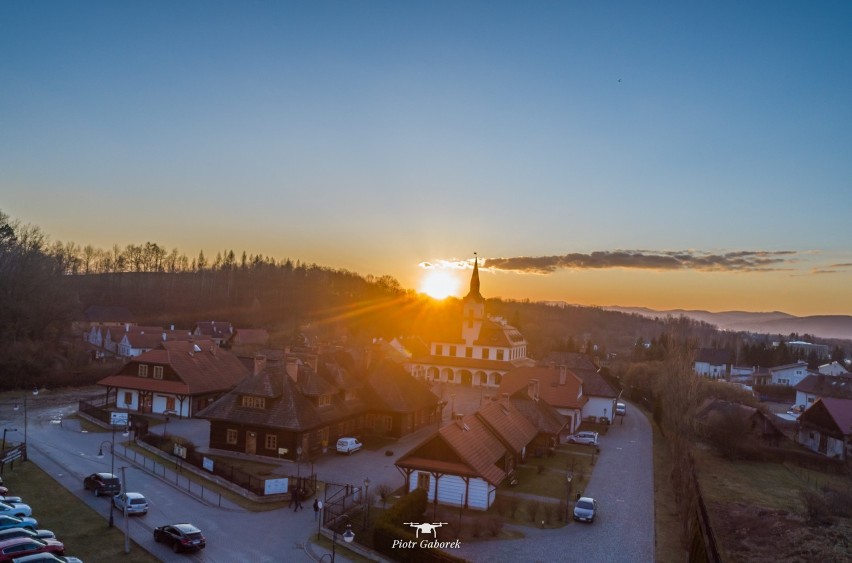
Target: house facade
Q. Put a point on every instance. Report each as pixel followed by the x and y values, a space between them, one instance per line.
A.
pixel 826 428
pixel 817 386
pixel 179 377
pixel 713 363
pixel 297 408
pixel 790 374
pixel 559 387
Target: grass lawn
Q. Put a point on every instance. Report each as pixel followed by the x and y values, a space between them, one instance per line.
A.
pixel 83 531
pixel 546 476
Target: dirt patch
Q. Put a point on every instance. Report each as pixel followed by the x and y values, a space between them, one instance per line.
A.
pixel 755 534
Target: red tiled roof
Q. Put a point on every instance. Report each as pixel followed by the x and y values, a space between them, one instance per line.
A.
pixel 202 366
pixel 841 411
pixel 508 422
pixel 550 386
pixel 477 446
pixel 145 384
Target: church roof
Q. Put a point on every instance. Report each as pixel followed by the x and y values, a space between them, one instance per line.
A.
pixel 474 294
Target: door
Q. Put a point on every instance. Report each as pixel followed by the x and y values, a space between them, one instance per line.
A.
pixel 251 442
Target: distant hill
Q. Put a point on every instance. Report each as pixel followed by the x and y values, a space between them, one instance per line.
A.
pixel 776 322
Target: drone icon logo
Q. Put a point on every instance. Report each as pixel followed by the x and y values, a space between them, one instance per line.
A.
pixel 426 528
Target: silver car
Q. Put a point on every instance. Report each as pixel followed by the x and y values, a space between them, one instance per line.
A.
pixel 585 437
pixel 585 509
pixel 134 503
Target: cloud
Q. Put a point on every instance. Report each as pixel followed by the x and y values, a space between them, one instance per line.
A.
pixel 737 261
pixel 833 269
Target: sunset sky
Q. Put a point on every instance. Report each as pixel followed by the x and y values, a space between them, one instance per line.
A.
pixel 665 154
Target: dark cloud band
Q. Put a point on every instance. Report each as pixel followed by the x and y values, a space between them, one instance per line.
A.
pixel 739 261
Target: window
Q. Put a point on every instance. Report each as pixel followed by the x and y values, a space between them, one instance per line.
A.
pixel 231 436
pixel 128 398
pixel 158 372
pixel 452 350
pixel 370 421
pixel 388 420
pixel 254 402
pixel 423 480
pixel 271 442
pixel 439 350
pixel 500 355
pixel 170 404
pixel 324 400
pixel 486 353
pixel 143 370
pixel 468 352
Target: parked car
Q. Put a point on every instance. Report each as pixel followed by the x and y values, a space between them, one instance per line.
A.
pixel 620 409
pixel 585 509
pixel 16 509
pixel 102 484
pixel 14 522
pixel 181 537
pixel 585 437
pixel 11 500
pixel 348 445
pixel 46 558
pixel 134 503
pixel 10 533
pixel 18 547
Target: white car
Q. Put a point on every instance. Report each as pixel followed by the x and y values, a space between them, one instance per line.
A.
pixel 134 503
pixel 348 445
pixel 585 437
pixel 620 409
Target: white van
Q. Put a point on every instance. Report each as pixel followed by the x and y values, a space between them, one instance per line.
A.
pixel 348 445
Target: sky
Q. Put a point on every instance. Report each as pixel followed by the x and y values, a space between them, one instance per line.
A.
pixel 690 155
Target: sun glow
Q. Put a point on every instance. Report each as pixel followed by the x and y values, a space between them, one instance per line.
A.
pixel 439 285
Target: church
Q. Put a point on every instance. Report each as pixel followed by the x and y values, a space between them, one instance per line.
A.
pixel 480 353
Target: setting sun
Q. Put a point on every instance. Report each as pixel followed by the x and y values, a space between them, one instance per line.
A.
pixel 439 285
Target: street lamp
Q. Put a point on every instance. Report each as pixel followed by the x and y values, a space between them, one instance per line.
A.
pixel 4 436
pixel 366 500
pixel 35 392
pixel 568 477
pixel 111 445
pixel 348 537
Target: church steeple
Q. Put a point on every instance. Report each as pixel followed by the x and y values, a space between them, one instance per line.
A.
pixel 474 282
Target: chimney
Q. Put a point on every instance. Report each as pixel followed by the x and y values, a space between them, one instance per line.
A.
pixel 259 364
pixel 532 389
pixel 562 375
pixel 293 369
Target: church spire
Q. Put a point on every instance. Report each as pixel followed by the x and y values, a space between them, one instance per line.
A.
pixel 474 281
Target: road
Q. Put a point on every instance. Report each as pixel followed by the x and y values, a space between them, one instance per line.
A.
pixel 622 483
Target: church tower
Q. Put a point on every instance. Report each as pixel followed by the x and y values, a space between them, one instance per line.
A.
pixel 474 308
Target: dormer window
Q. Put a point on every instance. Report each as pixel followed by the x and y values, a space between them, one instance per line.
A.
pixel 143 370
pixel 253 402
pixel 324 400
pixel 158 372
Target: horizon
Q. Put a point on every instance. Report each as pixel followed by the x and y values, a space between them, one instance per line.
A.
pixel 669 156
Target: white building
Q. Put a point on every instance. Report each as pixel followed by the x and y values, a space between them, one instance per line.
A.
pixel 484 350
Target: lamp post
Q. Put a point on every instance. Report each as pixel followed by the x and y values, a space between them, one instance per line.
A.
pixel 111 445
pixel 35 392
pixel 348 536
pixel 366 500
pixel 568 477
pixel 126 502
pixel 4 436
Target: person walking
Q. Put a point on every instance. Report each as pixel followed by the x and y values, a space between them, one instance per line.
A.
pixel 300 493
pixel 295 500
